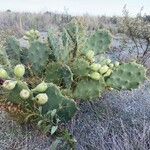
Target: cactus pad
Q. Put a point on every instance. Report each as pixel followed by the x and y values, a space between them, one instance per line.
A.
pixel 13 51
pixel 127 76
pixel 14 95
pixel 66 75
pixel 38 57
pixel 100 41
pixel 67 107
pixel 58 74
pixel 88 89
pixel 52 73
pixel 80 67
pixel 73 38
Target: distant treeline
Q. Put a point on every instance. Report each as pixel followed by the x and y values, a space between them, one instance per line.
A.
pixel 16 23
pixel 44 21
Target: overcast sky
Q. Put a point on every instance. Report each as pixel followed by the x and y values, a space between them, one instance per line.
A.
pixel 92 7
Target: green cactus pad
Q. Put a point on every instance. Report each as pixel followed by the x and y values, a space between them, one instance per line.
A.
pixel 127 76
pixel 2 57
pixel 38 57
pixel 13 51
pixel 88 89
pixel 52 73
pixel 67 107
pixel 14 95
pixel 24 56
pixel 59 74
pixel 100 41
pixel 55 52
pixel 80 67
pixel 73 38
pixel 66 75
pixel 67 92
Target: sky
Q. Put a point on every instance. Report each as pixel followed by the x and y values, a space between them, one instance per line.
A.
pixel 77 7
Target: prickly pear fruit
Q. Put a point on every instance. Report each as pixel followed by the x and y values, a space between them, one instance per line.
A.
pixel 116 63
pixel 108 73
pixel 108 61
pixel 90 54
pixel 37 32
pixel 92 60
pixel 111 65
pixel 3 73
pixel 31 31
pixel 9 84
pixel 25 38
pixel 28 33
pixel 42 87
pixel 19 70
pixel 95 75
pixel 103 69
pixel 95 67
pixel 41 99
pixel 24 94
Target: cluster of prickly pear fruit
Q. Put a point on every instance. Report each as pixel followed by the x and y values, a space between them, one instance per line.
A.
pixel 103 69
pixel 32 35
pixel 69 68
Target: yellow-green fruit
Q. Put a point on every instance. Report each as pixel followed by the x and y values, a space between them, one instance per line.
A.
pixel 31 31
pixel 116 63
pixel 103 69
pixel 90 54
pixel 111 88
pixel 92 60
pixel 24 94
pixel 42 87
pixel 111 65
pixel 37 32
pixel 95 67
pixel 3 73
pixel 108 73
pixel 42 98
pixel 108 61
pixel 19 70
pixel 25 38
pixel 95 75
pixel 27 33
pixel 9 84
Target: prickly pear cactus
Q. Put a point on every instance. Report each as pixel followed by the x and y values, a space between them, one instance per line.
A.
pixel 60 71
pixel 48 96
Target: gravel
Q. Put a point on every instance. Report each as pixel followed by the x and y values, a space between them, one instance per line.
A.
pixel 16 137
